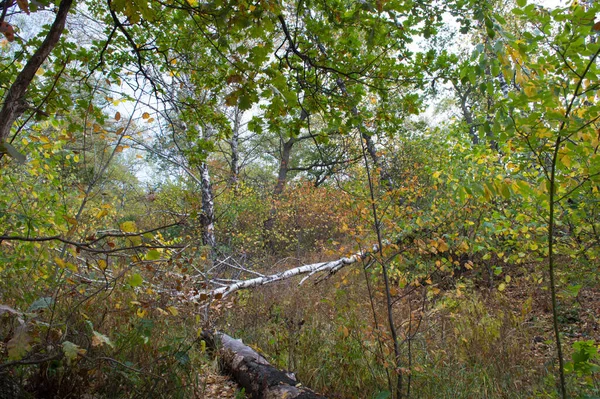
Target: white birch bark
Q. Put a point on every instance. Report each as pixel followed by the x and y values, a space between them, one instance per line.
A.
pixel 330 267
pixel 208 208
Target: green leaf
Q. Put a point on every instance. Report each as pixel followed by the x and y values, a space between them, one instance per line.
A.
pixel 383 395
pixel 182 357
pixel 101 339
pixel 41 303
pixel 129 227
pixel 19 344
pixel 136 280
pixel 245 102
pixel 573 290
pixel 153 254
pixel 72 350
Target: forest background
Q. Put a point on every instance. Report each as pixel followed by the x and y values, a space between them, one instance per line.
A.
pixel 431 168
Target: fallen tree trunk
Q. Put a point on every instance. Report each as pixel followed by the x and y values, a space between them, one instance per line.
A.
pixel 253 372
pixel 331 267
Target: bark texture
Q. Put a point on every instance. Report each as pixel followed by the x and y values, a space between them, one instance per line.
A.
pixel 253 372
pixel 14 102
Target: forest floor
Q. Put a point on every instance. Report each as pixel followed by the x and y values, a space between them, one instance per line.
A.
pixel 216 386
pixel 512 327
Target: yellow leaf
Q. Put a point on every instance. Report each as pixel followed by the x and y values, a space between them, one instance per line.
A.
pixel 442 246
pixel 173 310
pixel 437 174
pixel 501 287
pixel 162 312
pixel 507 279
pixel 102 264
pixel 566 160
pixel 344 330
pixel 530 90
pixel 118 116
pixel 61 263
pixel 129 226
pixel 119 148
pixel 141 313
pixel 145 115
pixel 101 214
pixel 71 267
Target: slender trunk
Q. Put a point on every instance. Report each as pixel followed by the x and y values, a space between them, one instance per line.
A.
pixel 207 217
pixel 208 208
pixel 561 371
pixel 284 165
pixel 387 283
pixel 14 102
pixel 234 145
pixel 467 114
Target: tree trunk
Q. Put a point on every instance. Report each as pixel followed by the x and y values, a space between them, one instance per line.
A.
pixel 467 114
pixel 284 165
pixel 207 218
pixel 14 102
pixel 253 372
pixel 234 145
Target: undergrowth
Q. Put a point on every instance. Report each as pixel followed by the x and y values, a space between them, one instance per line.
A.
pixel 469 341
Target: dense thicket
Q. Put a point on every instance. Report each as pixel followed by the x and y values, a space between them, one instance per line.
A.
pixel 438 160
